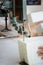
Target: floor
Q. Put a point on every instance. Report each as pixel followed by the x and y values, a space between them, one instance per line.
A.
pixel 9 53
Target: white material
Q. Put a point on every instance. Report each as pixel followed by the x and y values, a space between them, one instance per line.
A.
pixel 39 28
pixel 42 25
pixel 28 50
pixel 37 16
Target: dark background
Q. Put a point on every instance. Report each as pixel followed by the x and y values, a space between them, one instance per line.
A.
pixel 33 2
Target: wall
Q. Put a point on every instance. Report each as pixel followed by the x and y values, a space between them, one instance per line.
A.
pixel 34 8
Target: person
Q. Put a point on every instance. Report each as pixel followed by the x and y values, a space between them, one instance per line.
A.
pixel 40 52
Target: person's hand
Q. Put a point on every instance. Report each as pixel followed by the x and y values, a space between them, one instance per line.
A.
pixel 40 51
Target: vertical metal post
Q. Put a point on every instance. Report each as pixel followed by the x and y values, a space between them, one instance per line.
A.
pixel 24 14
